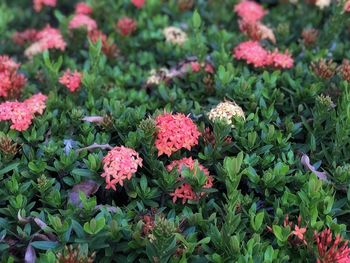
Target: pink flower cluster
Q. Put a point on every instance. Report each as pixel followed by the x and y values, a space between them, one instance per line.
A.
pixel 126 26
pixel 175 131
pixel 185 191
pixel 83 9
pixel 120 164
pixel 197 67
pixel 21 114
pixel 47 38
pixel 108 48
pixel 331 250
pixel 28 35
pixel 250 11
pixel 71 80
pixel 39 4
pixel 250 15
pixel 82 19
pixel 138 3
pixel 253 53
pixel 11 82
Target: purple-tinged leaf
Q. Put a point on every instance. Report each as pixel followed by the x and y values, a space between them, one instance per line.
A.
pixel 88 187
pixel 40 223
pixel 69 145
pixel 93 119
pixel 305 160
pixel 22 219
pixel 109 208
pixel 30 256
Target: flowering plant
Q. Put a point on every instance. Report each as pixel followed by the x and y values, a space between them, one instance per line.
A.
pixel 174 131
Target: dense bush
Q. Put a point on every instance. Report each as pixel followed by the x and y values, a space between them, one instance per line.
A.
pixel 174 131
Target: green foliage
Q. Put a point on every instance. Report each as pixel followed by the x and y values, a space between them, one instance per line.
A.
pixel 52 194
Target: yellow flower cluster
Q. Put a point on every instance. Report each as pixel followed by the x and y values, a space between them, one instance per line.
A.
pixel 225 111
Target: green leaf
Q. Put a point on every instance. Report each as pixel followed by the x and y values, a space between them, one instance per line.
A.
pixel 277 230
pixel 81 172
pixel 8 168
pixel 44 245
pixel 258 220
pixel 143 183
pixel 196 20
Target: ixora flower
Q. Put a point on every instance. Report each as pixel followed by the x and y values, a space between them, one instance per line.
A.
pixel 126 26
pixel 138 3
pixel 185 191
pixel 83 9
pixel 250 11
pixel 28 35
pixel 108 47
pixel 157 76
pixel 253 53
pixel 344 70
pixel 71 80
pixel 11 82
pixel 225 111
pixel 309 36
pixel 281 60
pixel 175 35
pixel 321 4
pixel 21 114
pixel 48 38
pixel 39 4
pixel 256 31
pixel 119 165
pixel 346 7
pixel 331 250
pixel 82 21
pixel 175 131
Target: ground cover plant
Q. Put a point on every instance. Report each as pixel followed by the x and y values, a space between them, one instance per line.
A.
pixel 174 131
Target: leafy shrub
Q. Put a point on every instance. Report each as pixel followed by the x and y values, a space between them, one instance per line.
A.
pixel 174 131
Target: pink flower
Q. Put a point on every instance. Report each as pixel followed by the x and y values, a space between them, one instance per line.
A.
pixel 108 47
pixel 209 68
pixel 39 4
pixel 48 38
pixel 82 21
pixel 138 3
pixel 71 80
pixel 185 191
pixel 28 35
pixel 83 9
pixel 250 11
pixel 120 164
pixel 196 67
pixel 252 52
pixel 186 162
pixel 36 103
pixel 126 26
pixel 256 31
pixel 346 7
pixel 175 131
pixel 280 60
pixel 299 232
pixel 21 117
pixel 21 114
pixel 331 250
pixel 11 82
pixel 6 109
